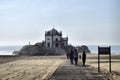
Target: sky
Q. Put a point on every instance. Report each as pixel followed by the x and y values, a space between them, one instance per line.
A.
pixel 85 22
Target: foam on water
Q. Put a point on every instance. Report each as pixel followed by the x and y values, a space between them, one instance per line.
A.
pixel 8 50
pixel 5 53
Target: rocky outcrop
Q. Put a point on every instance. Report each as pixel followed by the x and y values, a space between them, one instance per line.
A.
pixel 35 50
pixel 40 44
pixel 83 48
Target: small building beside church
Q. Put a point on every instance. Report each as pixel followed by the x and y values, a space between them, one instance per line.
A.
pixel 54 39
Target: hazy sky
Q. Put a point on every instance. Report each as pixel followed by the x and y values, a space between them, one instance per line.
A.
pixel 90 22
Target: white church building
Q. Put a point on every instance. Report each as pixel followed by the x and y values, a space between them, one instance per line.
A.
pixel 54 39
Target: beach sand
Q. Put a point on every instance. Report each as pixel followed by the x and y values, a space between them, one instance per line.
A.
pixel 104 65
pixel 29 68
pixel 42 67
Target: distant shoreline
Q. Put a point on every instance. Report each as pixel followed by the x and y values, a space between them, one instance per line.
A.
pixel 53 55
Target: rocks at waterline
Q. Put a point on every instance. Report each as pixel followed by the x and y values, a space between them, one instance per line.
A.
pixel 39 49
pixel 83 48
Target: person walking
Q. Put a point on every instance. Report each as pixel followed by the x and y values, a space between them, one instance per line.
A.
pixel 75 56
pixel 68 55
pixel 84 58
pixel 71 57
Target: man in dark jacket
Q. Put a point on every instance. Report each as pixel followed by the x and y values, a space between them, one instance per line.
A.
pixel 83 57
pixel 71 57
pixel 75 56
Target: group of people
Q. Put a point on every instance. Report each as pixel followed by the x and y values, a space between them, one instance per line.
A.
pixel 73 55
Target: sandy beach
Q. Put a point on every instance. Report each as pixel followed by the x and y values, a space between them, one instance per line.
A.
pixel 104 65
pixel 42 67
pixel 29 68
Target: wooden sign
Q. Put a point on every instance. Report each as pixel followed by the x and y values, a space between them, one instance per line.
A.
pixel 104 51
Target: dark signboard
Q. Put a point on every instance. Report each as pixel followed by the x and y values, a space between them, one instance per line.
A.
pixel 104 50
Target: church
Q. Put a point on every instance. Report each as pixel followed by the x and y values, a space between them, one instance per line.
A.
pixel 54 39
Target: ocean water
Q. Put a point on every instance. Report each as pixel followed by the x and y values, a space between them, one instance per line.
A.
pixel 8 50
pixel 114 49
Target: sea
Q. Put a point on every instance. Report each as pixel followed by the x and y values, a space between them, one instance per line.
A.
pixel 115 49
pixel 8 50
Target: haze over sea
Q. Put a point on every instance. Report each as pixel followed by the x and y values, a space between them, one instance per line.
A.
pixel 8 50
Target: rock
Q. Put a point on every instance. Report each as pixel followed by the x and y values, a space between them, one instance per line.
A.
pixel 39 49
pixel 83 48
pixel 16 52
pixel 40 44
pixel 35 50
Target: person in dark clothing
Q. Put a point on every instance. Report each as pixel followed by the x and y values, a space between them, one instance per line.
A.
pixel 75 56
pixel 80 56
pixel 68 56
pixel 84 57
pixel 71 57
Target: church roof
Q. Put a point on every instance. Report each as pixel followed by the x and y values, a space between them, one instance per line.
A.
pixel 53 32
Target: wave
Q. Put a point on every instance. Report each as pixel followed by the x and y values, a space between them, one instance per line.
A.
pixel 6 53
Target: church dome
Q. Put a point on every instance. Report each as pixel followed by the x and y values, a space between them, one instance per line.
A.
pixel 53 32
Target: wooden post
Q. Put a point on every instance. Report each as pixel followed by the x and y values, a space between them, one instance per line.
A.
pixel 110 59
pixel 98 60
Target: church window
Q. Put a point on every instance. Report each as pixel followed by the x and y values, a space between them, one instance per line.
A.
pixel 48 38
pixel 56 39
pixel 48 44
pixel 56 45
